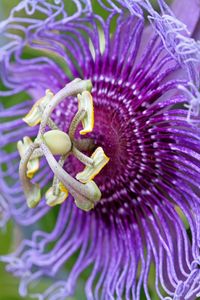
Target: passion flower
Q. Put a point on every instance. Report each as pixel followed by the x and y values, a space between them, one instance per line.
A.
pixel 117 137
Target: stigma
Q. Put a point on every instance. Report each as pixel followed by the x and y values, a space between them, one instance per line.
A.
pixel 55 142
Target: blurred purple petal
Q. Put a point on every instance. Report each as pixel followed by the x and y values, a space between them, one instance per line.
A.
pixel 187 12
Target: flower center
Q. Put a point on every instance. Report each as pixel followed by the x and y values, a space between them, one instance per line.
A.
pixel 126 128
pixel 114 131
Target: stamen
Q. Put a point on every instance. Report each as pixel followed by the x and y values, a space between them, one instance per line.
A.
pixel 32 191
pixel 99 161
pixel 85 204
pixel 75 122
pixel 52 199
pixel 56 142
pixel 35 114
pixel 56 183
pixel 57 194
pixel 62 188
pixel 71 89
pixel 37 153
pixel 82 157
pixel 52 125
pixel 81 192
pixel 33 164
pixel 85 102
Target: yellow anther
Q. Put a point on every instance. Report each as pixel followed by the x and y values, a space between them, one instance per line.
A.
pixel 84 205
pixel 34 116
pixel 63 188
pixel 87 205
pixel 58 142
pixel 85 101
pixel 53 199
pixel 33 196
pixel 33 164
pixel 99 161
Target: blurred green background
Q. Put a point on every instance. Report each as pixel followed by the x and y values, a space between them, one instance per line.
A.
pixel 11 235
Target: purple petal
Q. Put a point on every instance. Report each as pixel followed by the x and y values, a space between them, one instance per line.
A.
pixel 187 12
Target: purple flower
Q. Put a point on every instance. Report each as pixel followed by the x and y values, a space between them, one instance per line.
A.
pixel 145 81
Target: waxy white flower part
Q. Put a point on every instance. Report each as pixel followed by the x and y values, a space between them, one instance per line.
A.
pixel 34 116
pixel 58 142
pixel 87 205
pixel 99 161
pixel 33 195
pixel 33 164
pixel 53 198
pixel 85 102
